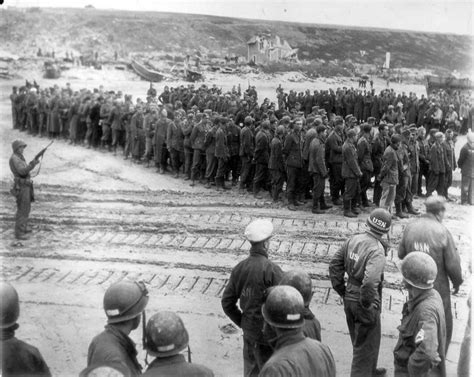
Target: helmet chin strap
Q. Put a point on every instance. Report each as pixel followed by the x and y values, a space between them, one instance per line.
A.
pixel 189 354
pixel 144 336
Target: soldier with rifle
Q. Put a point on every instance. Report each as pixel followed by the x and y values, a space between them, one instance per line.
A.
pixel 22 188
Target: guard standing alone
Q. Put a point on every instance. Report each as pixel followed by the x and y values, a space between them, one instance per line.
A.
pixel 22 188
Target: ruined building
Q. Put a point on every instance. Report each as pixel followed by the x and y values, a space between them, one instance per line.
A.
pixel 265 48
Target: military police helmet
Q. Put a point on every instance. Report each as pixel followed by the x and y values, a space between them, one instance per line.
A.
pixel 435 204
pixel 10 305
pixel 419 270
pixel 301 281
pixel 165 335
pixel 379 220
pixel 125 300
pixel 284 308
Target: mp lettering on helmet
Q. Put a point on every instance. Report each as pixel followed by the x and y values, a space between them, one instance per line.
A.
pixel 379 222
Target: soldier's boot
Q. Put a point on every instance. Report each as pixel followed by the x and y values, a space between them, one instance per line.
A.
pixel 354 210
pixel 347 209
pixel 323 205
pixel 412 210
pixel 317 209
pixel 399 213
pixel 218 184
pixel 208 184
pixel 192 184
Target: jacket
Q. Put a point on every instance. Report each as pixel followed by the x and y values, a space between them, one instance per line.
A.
pixel 298 356
pixel 292 151
pixel 276 155
pixel 389 172
pixel 262 148
pixel 221 149
pixel 175 137
pixel 378 148
pixel 414 155
pixel 247 285
pixel 420 350
pixel 176 365
pixel 246 142
pixel 19 358
pixel 403 159
pixel 19 167
pixel 112 345
pixel 308 138
pixel 450 155
pixel 362 257
pixel 466 160
pixel 198 135
pixel 317 162
pixel 350 167
pixel 364 154
pixel 427 234
pixel 437 159
pixel 334 144
pixel 233 139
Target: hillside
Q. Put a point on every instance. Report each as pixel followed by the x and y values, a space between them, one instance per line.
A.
pixel 85 30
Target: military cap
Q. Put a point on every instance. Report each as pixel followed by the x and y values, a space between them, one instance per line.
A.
pixel 370 120
pixel 320 128
pixel 259 230
pixel 338 120
pixel 248 120
pixel 435 204
pixel 439 135
pixel 366 127
pixel 351 133
pixel 348 118
pixel 286 119
pixel 315 108
pixel 395 139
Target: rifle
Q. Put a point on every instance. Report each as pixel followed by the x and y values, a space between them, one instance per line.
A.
pixel 41 153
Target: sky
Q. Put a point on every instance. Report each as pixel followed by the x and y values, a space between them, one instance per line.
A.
pixel 445 16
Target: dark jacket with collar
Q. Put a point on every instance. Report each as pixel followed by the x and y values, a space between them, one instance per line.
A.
pixel 111 345
pixel 298 356
pixel 247 285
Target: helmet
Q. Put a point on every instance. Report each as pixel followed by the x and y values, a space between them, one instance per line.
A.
pixel 284 308
pixel 379 220
pixel 248 120
pixel 125 300
pixel 259 230
pixel 106 369
pixel 435 204
pixel 419 270
pixel 10 305
pixel 17 144
pixel 301 281
pixel 165 335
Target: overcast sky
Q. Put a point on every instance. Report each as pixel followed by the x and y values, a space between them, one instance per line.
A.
pixel 447 16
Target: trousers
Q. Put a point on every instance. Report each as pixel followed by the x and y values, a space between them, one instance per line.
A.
pixel 23 208
pixel 365 331
pixel 255 356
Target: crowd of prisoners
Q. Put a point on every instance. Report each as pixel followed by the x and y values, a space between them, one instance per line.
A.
pixel 225 139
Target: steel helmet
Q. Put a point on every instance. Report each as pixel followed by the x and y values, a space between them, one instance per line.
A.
pixel 379 220
pixel 165 335
pixel 125 300
pixel 259 230
pixel 419 270
pixel 17 144
pixel 301 281
pixel 284 308
pixel 106 369
pixel 10 305
pixel 435 204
